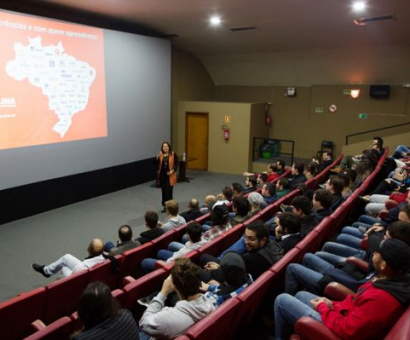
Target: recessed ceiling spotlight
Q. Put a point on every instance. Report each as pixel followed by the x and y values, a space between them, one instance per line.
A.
pixel 215 20
pixel 359 6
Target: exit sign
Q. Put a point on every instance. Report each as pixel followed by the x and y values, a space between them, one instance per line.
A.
pixel 363 116
pixel 319 110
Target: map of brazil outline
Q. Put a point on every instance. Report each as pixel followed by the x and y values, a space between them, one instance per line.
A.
pixel 65 80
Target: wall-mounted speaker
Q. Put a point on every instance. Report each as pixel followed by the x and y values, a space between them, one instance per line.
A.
pixel 380 91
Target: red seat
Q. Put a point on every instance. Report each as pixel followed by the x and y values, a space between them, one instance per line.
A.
pixel 142 287
pixel 104 272
pixel 220 324
pixel 17 314
pixel 214 247
pixel 131 262
pixel 60 329
pixel 310 329
pixel 63 296
pixel 401 330
pixel 253 297
pixel 162 241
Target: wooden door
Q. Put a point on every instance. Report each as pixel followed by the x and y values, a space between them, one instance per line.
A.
pixel 196 140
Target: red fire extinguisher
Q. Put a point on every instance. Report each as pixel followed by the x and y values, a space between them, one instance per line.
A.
pixel 226 132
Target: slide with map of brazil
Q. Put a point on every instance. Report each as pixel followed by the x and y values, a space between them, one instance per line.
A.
pixel 52 82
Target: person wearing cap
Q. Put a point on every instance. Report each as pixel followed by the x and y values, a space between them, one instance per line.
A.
pixel 368 314
pixel 235 280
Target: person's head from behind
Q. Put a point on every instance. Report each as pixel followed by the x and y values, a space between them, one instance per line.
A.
pixel 166 147
pixel 209 200
pixel 227 193
pixel 172 207
pixel 151 219
pixel 322 199
pixel 335 184
pixel 346 179
pixel 194 231
pixel 272 168
pixel 392 259
pixel 301 206
pixel 233 269
pixel 288 223
pixel 237 189
pixel 298 168
pixel 250 182
pixel 95 247
pixel 125 233
pixel 282 184
pixel 311 169
pixel 255 200
pixel 256 236
pixel 219 215
pixel 186 278
pixel 241 206
pixel 97 305
pixel 268 189
pixel 398 230
pixel 193 203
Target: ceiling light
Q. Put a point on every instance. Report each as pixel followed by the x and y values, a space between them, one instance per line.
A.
pixel 355 93
pixel 359 6
pixel 215 21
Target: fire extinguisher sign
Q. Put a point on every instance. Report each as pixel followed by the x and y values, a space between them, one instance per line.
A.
pixel 227 119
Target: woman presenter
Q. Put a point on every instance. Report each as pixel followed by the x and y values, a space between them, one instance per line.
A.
pixel 166 174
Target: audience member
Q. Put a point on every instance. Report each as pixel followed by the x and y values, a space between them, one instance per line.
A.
pixel 237 189
pixel 174 220
pixel 281 166
pixel 125 243
pixel 369 314
pixel 208 204
pixel 269 193
pixel 335 186
pixel 151 223
pixel 302 207
pixel 282 187
pixel 235 280
pixel 240 207
pixel 68 264
pixel 102 316
pixel 322 201
pixel 193 211
pixel 287 232
pixel 297 176
pixel 168 323
pixel 250 183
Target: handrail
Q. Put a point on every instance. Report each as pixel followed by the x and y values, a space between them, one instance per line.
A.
pixel 375 130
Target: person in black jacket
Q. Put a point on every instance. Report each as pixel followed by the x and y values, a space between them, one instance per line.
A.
pixel 193 211
pixel 287 232
pixel 151 222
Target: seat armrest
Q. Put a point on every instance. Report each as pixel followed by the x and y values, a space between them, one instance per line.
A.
pixel 337 292
pixel 38 325
pixel 310 329
pixel 362 265
pixel 126 280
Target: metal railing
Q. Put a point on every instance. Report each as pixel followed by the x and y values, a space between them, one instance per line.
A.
pixel 281 144
pixel 374 130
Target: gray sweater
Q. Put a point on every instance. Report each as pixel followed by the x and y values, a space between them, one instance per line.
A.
pixel 169 322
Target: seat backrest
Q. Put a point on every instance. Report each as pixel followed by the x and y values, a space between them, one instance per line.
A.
pixel 401 329
pixel 220 324
pixel 131 262
pixel 60 329
pixel 104 272
pixel 142 287
pixel 17 314
pixel 63 296
pixel 252 298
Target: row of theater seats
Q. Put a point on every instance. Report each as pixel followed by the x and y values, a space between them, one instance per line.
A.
pixel 233 314
pixel 54 302
pixel 60 298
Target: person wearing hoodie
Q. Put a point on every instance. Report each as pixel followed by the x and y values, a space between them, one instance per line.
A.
pixel 235 280
pixel 163 322
pixel 368 314
pixel 174 220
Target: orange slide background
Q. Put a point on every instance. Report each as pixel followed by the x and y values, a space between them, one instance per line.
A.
pixel 34 122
